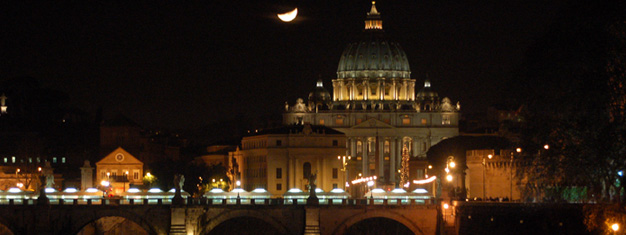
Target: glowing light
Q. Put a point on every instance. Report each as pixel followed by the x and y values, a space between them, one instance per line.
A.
pixel 449 178
pixel 370 183
pixel 425 181
pixel 378 190
pixel 430 166
pixel 70 190
pixel 49 190
pixel 14 190
pixel 288 16
pixel 148 174
pixel 238 190
pixel 238 183
pixel 620 173
pixel 19 185
pixel 615 227
pixel 398 190
pixel 38 168
pixel 337 190
pixel 447 170
pixel 105 183
pixel 489 156
pixel 366 179
pixel 420 190
pixel 446 206
pixel 452 164
pixel 133 190
pixel 91 190
pixel 259 190
pixel 216 190
pixel 546 147
pixel 519 150
pixel 319 190
pixel 155 190
pixel 295 190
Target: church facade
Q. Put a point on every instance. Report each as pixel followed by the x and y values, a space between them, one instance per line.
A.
pixel 375 104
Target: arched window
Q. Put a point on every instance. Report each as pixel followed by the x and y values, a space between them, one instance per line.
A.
pixel 306 170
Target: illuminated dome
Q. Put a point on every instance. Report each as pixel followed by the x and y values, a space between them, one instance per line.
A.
pixel 373 56
pixel 320 97
pixel 373 69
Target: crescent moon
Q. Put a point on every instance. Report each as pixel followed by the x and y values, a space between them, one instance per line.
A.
pixel 288 16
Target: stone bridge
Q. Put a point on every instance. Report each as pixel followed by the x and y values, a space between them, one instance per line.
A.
pixel 208 218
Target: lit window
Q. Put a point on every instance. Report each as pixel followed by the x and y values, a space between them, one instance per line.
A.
pixel 339 121
pixel 424 122
pixel 136 174
pixel 54 160
pixel 445 120
pixel 406 121
pixel 13 159
pixel 30 160
pixel 6 160
pixel 103 174
pixel 321 121
pixel 62 160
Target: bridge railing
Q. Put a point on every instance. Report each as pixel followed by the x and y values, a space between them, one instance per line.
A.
pixel 209 201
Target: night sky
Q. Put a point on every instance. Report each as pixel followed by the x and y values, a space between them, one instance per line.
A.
pixel 188 64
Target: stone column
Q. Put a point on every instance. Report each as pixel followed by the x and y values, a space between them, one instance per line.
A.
pixel 405 87
pixel 394 96
pixel 353 90
pixel 392 158
pixel 364 159
pixel 353 150
pixel 381 157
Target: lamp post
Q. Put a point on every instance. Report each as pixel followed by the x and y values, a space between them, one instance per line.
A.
pixel 484 173
pixel 343 169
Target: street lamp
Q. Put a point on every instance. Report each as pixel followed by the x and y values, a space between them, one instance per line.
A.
pixel 615 227
pixel 370 184
pixel 343 168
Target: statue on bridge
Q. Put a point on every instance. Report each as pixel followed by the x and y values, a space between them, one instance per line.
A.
pixel 312 200
pixel 179 181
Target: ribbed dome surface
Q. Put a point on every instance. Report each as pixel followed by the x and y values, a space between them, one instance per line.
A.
pixel 373 57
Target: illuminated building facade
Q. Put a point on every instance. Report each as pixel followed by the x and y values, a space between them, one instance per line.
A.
pixel 283 158
pixel 121 169
pixel 375 104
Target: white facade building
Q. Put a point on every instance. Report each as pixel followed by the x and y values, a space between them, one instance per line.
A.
pixel 375 104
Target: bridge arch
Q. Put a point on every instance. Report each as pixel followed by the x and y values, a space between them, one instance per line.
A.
pixel 208 226
pixel 86 219
pixel 5 226
pixel 378 213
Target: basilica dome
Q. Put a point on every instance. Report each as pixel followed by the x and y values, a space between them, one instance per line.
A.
pixel 320 97
pixel 373 55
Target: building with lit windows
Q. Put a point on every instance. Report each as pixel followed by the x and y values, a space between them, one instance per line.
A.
pixel 282 158
pixel 375 104
pixel 121 169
